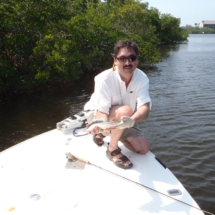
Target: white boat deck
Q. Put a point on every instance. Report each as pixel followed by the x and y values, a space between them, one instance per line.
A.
pixel 36 167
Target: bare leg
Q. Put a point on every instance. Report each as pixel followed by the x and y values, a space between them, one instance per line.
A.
pixel 115 113
pixel 137 144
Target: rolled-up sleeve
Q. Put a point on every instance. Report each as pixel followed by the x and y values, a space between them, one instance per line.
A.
pixel 143 94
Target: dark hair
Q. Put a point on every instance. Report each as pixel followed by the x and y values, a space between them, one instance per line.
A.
pixel 125 43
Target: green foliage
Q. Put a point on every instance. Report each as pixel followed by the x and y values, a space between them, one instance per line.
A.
pixel 22 25
pixel 196 30
pixel 55 40
pixel 170 30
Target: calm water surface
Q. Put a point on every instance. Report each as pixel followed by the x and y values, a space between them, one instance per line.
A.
pixel 180 127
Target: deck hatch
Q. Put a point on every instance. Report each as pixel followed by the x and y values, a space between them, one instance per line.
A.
pixel 174 192
pixel 34 196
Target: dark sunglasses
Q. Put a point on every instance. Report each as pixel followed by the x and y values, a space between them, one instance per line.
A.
pixel 130 58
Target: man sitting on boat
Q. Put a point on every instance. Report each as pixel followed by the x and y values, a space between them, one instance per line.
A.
pixel 121 91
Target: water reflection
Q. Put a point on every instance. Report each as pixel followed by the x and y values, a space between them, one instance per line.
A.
pixel 166 50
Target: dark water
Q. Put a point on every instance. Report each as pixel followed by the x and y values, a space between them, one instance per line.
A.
pixel 180 127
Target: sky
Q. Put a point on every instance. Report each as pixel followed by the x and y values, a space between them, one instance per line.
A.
pixel 189 11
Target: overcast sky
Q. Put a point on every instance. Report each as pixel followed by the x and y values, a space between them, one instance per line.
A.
pixel 189 11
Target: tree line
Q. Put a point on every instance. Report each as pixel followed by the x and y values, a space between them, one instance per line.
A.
pixel 196 30
pixel 49 41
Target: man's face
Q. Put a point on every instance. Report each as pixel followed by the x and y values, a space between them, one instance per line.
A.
pixel 126 61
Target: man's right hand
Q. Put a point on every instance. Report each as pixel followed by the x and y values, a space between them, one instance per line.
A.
pixel 93 128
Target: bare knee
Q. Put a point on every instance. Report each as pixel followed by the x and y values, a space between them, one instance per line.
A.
pixel 138 144
pixel 117 111
pixel 126 111
pixel 144 149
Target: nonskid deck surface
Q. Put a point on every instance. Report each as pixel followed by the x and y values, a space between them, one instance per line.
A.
pixel 36 167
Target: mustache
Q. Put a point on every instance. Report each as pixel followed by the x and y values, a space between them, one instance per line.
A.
pixel 127 66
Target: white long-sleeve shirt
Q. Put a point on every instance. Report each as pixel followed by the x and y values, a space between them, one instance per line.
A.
pixel 111 90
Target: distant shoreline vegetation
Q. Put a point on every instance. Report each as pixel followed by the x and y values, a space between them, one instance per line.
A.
pixel 57 41
pixel 196 30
